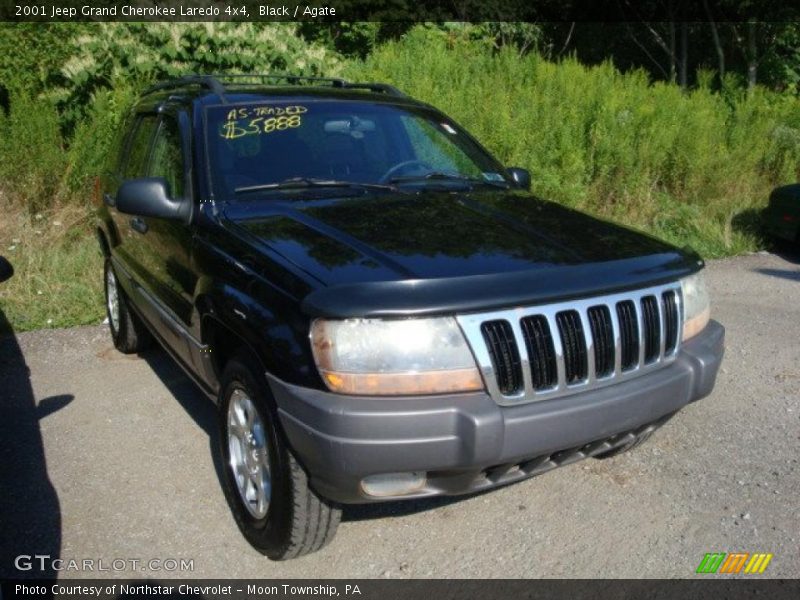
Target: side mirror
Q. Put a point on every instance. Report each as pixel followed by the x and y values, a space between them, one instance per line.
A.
pixel 6 270
pixel 149 197
pixel 521 177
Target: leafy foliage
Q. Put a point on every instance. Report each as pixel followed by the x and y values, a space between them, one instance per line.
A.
pixel 32 153
pixel 138 53
pixel 356 39
pixel 31 54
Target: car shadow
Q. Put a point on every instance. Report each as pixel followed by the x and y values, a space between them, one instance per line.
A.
pixel 781 273
pixel 202 410
pixel 30 513
pixel 402 508
pixel 750 222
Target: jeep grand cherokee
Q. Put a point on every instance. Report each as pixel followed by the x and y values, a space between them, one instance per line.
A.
pixel 378 307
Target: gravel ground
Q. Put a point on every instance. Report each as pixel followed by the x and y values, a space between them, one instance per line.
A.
pixel 106 457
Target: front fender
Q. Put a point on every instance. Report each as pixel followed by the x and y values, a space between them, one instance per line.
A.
pixel 263 320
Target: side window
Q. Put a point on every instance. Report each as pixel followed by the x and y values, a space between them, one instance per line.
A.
pixel 167 159
pixel 135 164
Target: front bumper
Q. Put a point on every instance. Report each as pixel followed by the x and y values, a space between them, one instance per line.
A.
pixel 466 442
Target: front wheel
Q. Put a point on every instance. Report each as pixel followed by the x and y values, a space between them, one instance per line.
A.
pixel 266 488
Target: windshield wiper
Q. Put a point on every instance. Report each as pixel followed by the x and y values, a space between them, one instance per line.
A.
pixel 310 182
pixel 440 176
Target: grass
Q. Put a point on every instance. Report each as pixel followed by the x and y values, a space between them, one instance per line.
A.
pixel 58 269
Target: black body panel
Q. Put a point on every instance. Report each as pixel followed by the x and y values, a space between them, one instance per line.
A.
pixel 440 252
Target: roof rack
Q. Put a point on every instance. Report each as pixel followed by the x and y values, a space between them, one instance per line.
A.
pixel 217 83
pixel 205 81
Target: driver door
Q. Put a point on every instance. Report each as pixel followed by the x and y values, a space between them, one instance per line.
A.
pixel 171 278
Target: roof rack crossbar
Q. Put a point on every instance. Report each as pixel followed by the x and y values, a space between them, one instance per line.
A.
pixel 207 81
pixel 216 83
pixel 383 88
pixel 335 81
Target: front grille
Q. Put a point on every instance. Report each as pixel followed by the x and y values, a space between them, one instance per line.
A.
pixel 541 353
pixel 503 350
pixel 652 328
pixel 557 349
pixel 669 307
pixel 603 337
pixel 629 331
pixel 573 343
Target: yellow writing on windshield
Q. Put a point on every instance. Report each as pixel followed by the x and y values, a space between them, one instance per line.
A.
pixel 256 120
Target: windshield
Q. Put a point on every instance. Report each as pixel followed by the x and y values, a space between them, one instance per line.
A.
pixel 253 147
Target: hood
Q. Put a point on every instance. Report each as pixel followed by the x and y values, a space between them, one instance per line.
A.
pixel 446 237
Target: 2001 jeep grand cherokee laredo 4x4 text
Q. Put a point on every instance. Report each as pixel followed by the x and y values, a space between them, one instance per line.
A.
pixel 379 308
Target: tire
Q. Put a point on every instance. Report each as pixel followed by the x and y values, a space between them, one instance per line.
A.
pixel 128 332
pixel 290 519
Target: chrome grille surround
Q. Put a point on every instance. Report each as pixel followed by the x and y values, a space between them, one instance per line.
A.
pixel 471 323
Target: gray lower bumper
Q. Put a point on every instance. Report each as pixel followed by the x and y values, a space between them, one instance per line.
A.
pixel 460 440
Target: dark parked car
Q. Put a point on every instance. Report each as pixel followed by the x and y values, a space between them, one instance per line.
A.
pixel 379 308
pixel 782 216
pixel 6 270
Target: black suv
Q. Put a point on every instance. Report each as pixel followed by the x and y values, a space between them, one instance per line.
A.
pixel 379 308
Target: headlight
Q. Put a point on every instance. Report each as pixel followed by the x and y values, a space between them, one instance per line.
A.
pixel 394 356
pixel 696 309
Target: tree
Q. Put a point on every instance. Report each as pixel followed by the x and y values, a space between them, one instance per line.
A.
pixel 717 44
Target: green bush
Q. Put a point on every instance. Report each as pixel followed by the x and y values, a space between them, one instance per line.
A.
pixel 93 143
pixel 140 53
pixel 32 153
pixel 680 165
pixel 31 54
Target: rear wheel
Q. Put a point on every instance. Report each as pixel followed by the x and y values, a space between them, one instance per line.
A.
pixel 266 488
pixel 128 332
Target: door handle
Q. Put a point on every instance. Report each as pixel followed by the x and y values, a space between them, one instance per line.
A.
pixel 139 224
